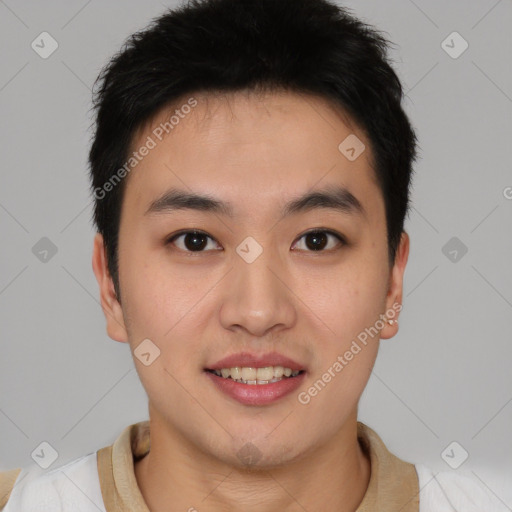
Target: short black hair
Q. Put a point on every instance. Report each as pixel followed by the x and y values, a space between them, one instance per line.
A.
pixel 303 46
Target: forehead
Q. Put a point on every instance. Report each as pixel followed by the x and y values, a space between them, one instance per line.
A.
pixel 248 147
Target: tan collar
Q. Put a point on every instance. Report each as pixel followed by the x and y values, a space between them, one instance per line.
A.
pixel 393 482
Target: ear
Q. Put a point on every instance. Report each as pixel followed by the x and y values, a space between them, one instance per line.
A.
pixel 111 308
pixel 395 289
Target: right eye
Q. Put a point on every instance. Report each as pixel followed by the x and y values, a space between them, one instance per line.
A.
pixel 192 240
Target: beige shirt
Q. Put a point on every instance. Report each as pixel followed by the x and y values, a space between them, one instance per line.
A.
pixel 393 486
pixel 393 483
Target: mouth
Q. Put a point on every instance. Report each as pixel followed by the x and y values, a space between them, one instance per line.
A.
pixel 256 376
pixel 252 379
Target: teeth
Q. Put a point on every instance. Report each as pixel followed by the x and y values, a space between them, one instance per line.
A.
pixel 266 373
pixel 234 373
pixel 250 375
pixel 278 372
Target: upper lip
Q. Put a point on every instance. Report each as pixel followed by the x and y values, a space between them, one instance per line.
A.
pixel 246 359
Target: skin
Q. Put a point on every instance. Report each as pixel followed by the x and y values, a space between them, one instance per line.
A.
pixel 255 152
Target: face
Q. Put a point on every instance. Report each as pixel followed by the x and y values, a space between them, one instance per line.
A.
pixel 261 273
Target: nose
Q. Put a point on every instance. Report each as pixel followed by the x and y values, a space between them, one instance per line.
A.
pixel 257 297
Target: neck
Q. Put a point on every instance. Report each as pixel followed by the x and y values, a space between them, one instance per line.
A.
pixel 333 476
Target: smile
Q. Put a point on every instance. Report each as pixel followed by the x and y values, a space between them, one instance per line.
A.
pixel 256 376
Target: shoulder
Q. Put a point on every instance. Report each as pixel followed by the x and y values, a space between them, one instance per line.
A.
pixel 449 491
pixel 72 487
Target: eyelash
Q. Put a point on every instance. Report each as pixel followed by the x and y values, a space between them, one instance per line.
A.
pixel 340 238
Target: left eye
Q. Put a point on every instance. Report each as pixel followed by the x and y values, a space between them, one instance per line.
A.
pixel 196 241
pixel 317 240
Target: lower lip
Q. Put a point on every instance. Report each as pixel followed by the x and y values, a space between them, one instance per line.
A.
pixel 257 394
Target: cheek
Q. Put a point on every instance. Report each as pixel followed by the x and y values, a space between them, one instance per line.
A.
pixel 350 309
pixel 351 300
pixel 165 306
pixel 160 307
pixel 156 297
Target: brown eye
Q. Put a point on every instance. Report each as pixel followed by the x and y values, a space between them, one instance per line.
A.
pixel 192 241
pixel 318 240
pixel 314 241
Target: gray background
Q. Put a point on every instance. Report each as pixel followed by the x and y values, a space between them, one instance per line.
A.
pixel 446 375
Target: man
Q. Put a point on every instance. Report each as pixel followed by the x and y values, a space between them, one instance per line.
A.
pixel 251 169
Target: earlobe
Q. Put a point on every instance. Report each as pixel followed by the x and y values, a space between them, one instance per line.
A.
pixel 395 291
pixel 110 305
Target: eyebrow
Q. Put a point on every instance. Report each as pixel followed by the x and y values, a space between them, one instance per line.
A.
pixel 331 197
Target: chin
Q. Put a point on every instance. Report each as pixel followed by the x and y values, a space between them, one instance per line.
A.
pixel 261 453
